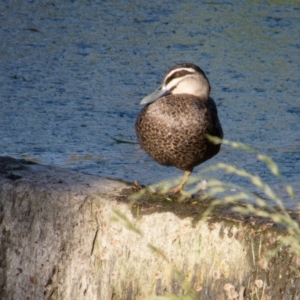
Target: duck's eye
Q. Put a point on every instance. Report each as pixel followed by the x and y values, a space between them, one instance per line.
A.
pixel 174 75
pixel 177 74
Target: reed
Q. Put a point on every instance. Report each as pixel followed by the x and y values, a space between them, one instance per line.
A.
pixel 265 204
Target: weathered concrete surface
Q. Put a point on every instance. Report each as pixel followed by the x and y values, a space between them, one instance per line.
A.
pixel 68 235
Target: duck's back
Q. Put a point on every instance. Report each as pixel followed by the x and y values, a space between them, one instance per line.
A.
pixel 173 130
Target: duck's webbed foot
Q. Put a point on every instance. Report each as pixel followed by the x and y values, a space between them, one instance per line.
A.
pixel 179 188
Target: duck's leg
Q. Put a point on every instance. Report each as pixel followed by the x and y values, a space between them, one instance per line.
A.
pixel 179 188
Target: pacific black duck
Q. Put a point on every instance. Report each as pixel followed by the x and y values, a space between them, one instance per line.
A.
pixel 173 126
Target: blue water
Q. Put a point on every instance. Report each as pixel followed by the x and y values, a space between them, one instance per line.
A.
pixel 73 73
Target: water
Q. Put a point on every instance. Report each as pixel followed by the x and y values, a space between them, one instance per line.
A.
pixel 73 73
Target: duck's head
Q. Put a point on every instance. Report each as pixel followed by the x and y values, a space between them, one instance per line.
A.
pixel 184 78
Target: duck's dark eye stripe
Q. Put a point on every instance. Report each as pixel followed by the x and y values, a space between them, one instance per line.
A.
pixel 177 75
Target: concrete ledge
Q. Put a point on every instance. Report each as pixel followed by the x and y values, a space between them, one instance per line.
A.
pixel 68 235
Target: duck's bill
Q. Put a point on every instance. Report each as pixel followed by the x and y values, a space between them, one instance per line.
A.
pixel 160 92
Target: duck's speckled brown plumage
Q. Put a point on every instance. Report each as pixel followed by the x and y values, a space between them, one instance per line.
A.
pixel 173 130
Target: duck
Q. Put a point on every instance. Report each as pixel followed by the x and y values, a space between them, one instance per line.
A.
pixel 176 120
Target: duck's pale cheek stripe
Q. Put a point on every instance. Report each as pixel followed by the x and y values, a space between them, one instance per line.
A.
pixel 177 74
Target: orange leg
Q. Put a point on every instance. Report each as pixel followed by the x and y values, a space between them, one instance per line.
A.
pixel 179 188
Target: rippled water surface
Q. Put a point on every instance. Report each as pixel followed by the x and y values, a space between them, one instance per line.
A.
pixel 73 73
